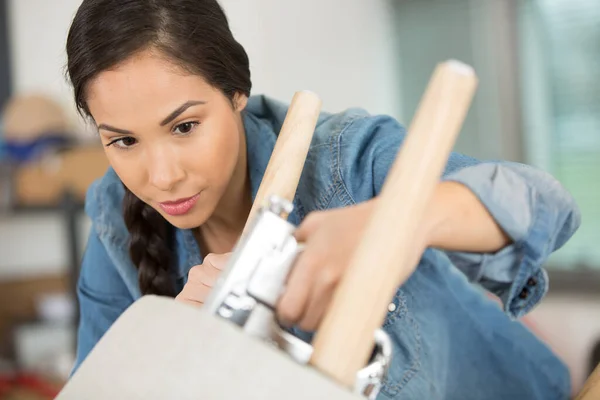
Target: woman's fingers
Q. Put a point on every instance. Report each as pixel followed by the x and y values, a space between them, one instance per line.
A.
pixel 292 303
pixel 201 279
pixel 194 294
pixel 216 261
pixel 318 301
pixel 309 290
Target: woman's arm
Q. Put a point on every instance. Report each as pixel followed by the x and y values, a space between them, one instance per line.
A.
pixel 497 222
pixel 456 220
pixel 537 214
pixel 528 207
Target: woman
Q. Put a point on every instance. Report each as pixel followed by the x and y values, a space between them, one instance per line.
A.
pixel 168 88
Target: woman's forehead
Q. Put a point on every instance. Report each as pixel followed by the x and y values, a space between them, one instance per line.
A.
pixel 144 86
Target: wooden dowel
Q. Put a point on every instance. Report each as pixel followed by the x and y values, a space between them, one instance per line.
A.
pixel 385 257
pixel 285 166
pixel 591 388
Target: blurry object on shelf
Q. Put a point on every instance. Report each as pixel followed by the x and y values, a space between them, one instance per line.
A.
pixel 22 152
pixel 44 183
pixel 45 349
pixel 23 300
pixel 6 186
pixel 56 307
pixel 28 116
pixel 37 334
pixel 27 386
pixel 34 125
pixel 41 158
pixel 5 366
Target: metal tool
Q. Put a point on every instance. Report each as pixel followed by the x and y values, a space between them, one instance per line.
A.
pixel 251 284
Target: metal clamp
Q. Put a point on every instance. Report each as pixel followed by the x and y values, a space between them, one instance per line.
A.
pixel 248 289
pixel 370 378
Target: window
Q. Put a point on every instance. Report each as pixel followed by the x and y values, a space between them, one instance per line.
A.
pixel 560 83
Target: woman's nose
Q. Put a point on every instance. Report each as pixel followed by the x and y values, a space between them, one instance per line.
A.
pixel 164 170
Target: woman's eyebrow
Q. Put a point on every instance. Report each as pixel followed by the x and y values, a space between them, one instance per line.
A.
pixel 180 110
pixel 113 129
pixel 165 121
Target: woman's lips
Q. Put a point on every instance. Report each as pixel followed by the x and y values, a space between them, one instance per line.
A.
pixel 179 207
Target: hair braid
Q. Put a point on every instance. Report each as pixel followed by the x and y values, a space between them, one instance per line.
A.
pixel 150 246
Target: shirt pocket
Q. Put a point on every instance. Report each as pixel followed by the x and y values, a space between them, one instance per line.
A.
pixel 403 329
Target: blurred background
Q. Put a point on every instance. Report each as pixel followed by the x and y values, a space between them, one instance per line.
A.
pixel 538 102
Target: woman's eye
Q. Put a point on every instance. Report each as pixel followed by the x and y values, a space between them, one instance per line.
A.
pixel 185 128
pixel 123 143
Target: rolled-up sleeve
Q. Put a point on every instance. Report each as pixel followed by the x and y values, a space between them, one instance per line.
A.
pixel 530 205
pixel 535 211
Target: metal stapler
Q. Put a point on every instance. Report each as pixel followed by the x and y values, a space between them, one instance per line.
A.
pixel 247 291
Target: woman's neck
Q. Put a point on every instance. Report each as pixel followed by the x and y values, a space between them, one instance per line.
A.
pixel 221 232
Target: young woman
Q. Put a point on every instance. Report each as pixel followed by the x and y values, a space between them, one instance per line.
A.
pixel 168 88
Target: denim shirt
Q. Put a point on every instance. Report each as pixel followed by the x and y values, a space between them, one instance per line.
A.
pixel 450 340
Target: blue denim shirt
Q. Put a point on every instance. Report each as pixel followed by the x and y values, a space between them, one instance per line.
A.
pixel 450 340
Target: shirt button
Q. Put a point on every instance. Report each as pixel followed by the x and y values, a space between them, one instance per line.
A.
pixel 391 307
pixel 531 282
pixel 524 293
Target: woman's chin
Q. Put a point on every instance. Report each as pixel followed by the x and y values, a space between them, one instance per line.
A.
pixel 189 220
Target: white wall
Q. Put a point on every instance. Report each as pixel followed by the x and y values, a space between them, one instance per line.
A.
pixel 379 54
pixel 342 49
pixel 37 32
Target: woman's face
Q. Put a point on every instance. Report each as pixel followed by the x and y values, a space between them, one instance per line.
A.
pixel 173 140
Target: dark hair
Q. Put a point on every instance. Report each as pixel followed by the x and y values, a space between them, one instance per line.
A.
pixel 195 35
pixel 595 357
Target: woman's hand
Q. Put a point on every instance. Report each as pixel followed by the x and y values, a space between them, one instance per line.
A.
pixel 201 279
pixel 454 220
pixel 329 238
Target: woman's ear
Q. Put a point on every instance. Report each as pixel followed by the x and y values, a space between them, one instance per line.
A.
pixel 239 101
